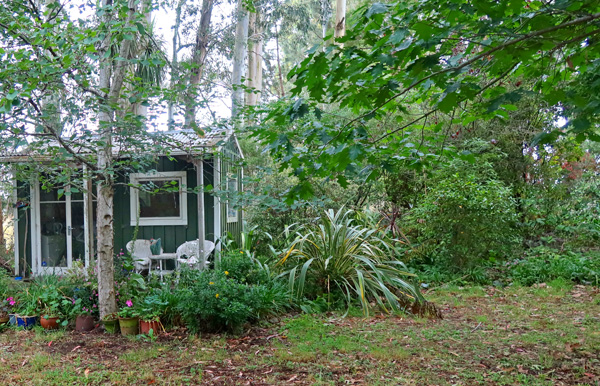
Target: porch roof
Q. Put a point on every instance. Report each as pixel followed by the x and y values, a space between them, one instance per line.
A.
pixel 174 142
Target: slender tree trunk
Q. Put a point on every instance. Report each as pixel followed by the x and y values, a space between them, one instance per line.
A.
pixel 325 16
pixel 198 58
pixel 239 58
pixel 2 241
pixel 340 19
pixel 282 94
pixel 109 79
pixel 175 61
pixel 255 50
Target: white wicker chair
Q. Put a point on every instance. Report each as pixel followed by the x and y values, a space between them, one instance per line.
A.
pixel 187 254
pixel 140 250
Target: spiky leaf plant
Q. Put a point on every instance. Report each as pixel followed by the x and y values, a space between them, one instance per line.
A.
pixel 337 254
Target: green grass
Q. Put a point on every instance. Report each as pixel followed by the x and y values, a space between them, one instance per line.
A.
pixel 515 336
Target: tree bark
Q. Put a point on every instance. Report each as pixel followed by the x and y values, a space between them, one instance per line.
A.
pixel 239 58
pixel 175 61
pixel 340 19
pixel 325 16
pixel 255 51
pixel 2 241
pixel 279 64
pixel 198 58
pixel 109 79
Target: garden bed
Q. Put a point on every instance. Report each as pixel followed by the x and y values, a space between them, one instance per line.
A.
pixel 545 335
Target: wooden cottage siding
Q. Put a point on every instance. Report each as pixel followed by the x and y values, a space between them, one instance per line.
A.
pixel 171 236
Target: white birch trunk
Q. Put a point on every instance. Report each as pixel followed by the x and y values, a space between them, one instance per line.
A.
pixel 104 220
pixel 198 58
pixel 255 51
pixel 340 19
pixel 239 58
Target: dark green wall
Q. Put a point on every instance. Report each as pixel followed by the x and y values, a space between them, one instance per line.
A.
pixel 171 236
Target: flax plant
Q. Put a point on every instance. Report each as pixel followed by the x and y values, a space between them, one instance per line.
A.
pixel 338 255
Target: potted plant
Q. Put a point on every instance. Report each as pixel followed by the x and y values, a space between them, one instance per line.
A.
pixel 149 311
pixel 83 308
pixel 128 319
pixel 52 311
pixel 27 309
pixel 111 323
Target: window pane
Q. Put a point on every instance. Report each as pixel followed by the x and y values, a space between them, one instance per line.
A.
pixel 54 234
pixel 51 194
pixel 158 203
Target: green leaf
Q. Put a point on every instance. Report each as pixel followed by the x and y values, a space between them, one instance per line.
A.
pixel 376 9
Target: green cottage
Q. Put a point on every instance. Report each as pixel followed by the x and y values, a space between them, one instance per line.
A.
pixel 55 230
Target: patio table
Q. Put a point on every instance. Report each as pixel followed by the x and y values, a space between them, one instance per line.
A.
pixel 161 259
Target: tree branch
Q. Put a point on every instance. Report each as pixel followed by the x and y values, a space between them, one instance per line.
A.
pixel 502 46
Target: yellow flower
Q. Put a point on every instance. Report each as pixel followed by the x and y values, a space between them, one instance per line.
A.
pixel 241 251
pixel 226 273
pixel 211 283
pixel 217 295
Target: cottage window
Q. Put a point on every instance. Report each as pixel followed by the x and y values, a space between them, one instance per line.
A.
pixel 232 188
pixel 158 198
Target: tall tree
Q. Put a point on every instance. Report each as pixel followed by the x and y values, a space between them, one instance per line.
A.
pixel 239 58
pixel 255 59
pixel 199 54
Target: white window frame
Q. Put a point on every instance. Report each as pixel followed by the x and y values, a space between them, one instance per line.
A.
pixel 230 209
pixel 135 178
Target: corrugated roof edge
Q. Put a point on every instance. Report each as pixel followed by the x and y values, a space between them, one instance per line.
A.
pixel 181 142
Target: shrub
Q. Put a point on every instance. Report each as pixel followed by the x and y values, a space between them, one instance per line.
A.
pixel 544 264
pixel 338 257
pixel 469 215
pixel 210 301
pixel 241 267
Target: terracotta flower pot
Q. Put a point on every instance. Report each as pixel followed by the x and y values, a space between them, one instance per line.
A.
pixel 50 323
pixel 26 321
pixel 84 323
pixel 146 326
pixel 4 319
pixel 129 326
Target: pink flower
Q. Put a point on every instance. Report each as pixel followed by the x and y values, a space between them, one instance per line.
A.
pixel 129 303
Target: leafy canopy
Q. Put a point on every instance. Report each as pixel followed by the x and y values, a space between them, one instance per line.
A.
pixel 431 66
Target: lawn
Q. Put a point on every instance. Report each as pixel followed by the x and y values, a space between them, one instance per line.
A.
pixel 549 335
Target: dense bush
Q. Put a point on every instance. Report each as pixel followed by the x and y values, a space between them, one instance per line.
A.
pixel 212 301
pixel 242 268
pixel 468 215
pixel 543 264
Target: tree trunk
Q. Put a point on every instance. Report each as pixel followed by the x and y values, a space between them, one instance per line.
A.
pixel 279 64
pixel 239 58
pixel 2 241
pixel 104 220
pixel 174 61
pixel 255 50
pixel 340 19
pixel 198 58
pixel 325 16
